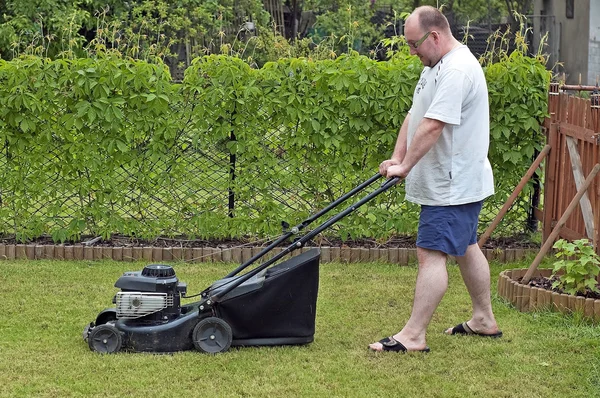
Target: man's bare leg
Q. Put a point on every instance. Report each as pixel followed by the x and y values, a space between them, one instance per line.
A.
pixel 475 272
pixel 431 285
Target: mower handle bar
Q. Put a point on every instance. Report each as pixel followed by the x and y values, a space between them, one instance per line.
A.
pixel 311 234
pixel 295 230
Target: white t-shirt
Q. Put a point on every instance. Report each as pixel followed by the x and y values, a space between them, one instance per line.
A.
pixel 456 169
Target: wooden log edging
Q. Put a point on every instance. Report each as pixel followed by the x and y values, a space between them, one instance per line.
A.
pixel 401 256
pixel 526 298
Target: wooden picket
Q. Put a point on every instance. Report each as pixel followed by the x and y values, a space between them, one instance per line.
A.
pixel 573 132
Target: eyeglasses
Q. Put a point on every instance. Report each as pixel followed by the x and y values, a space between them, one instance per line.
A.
pixel 416 44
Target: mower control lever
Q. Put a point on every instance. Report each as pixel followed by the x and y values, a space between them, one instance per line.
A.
pixel 298 243
pixel 296 230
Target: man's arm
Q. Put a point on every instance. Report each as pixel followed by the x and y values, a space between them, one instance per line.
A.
pixel 426 136
pixel 399 148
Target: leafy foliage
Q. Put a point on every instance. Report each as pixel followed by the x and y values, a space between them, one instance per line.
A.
pixel 140 29
pixel 577 267
pixel 179 31
pixel 518 98
pixel 110 145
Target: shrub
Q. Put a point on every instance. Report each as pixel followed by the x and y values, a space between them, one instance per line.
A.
pixel 111 145
pixel 577 267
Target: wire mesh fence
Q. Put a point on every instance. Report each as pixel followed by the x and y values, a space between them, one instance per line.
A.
pixel 105 147
pixel 204 184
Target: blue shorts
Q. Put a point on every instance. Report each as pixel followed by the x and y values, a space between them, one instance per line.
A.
pixel 449 229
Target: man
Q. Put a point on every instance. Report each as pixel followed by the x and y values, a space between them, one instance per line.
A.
pixel 441 151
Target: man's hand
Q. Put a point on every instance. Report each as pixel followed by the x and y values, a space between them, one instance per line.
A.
pixel 393 168
pixel 386 164
pixel 397 170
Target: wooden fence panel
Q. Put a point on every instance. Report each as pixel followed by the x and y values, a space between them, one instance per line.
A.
pixel 275 8
pixel 574 122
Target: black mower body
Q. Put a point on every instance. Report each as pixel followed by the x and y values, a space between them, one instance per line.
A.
pixel 274 307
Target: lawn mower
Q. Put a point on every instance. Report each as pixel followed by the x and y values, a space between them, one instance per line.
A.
pixel 272 304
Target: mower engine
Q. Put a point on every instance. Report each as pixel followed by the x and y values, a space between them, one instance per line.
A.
pixel 152 295
pixel 148 301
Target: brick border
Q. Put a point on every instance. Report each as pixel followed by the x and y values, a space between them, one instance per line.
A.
pixel 526 298
pixel 401 256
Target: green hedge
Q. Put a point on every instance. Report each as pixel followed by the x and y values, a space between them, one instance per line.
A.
pixel 111 145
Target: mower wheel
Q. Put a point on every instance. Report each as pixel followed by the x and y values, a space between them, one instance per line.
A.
pixel 212 335
pixel 105 339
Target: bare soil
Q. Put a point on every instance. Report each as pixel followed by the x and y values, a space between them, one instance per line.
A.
pixel 546 284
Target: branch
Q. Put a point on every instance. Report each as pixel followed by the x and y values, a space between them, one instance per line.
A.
pixel 510 8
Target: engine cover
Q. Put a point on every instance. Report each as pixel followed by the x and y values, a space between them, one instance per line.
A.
pixel 134 305
pixel 154 290
pixel 157 278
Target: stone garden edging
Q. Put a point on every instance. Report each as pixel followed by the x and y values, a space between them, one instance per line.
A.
pixel 401 256
pixel 526 298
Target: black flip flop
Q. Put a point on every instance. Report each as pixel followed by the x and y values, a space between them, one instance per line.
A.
pixel 464 328
pixel 389 344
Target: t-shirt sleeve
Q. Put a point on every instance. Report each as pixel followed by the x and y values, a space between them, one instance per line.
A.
pixel 453 86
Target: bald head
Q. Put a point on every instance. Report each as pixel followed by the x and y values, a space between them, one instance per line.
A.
pixel 430 18
pixel 428 35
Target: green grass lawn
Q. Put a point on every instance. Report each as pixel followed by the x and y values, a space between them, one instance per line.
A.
pixel 48 303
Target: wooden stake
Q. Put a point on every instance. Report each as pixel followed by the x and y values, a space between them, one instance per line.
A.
pixel 561 222
pixel 586 205
pixel 514 195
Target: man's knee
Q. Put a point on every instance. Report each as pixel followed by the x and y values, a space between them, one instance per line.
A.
pixel 429 257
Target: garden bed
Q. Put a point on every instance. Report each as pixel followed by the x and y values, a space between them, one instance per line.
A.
pixel 537 294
